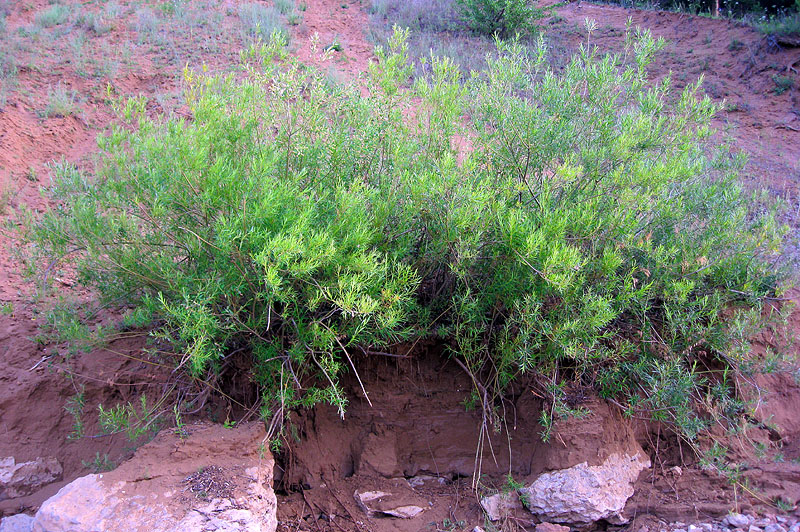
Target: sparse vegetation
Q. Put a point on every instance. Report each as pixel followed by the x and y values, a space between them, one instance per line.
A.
pixel 782 83
pixel 261 22
pixel 284 6
pixel 53 15
pixel 134 420
pixel 61 102
pixel 735 45
pixel 785 25
pixel 74 407
pixel 100 464
pixel 5 198
pixel 307 224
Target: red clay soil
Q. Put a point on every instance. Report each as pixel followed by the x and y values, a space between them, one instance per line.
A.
pixel 418 425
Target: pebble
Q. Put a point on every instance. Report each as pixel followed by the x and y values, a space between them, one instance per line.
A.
pixel 774 528
pixel 736 520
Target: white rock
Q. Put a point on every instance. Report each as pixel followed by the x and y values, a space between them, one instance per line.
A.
pixel 20 479
pixel 501 505
pixel 693 528
pixel 585 494
pixel 16 523
pixel 774 528
pixel 235 498
pixel 384 503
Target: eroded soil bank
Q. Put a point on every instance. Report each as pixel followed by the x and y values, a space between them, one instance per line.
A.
pixel 418 429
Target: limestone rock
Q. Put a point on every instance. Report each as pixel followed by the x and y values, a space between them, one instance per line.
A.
pixel 584 493
pixel 216 479
pixel 16 523
pixel 501 505
pixel 20 479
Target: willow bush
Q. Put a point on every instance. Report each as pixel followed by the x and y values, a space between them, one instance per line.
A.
pixel 577 227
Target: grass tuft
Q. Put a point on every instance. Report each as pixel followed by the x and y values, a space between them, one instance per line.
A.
pixel 54 15
pixel 61 102
pixel 260 21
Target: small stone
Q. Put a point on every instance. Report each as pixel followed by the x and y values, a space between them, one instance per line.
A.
pixel 501 505
pixel 795 527
pixel 550 527
pixel 693 528
pixel 781 519
pixel 774 528
pixel 381 503
pixel 478 529
pixel 16 523
pixel 736 521
pixel 754 528
pixel 678 530
pixel 761 523
pixel 707 527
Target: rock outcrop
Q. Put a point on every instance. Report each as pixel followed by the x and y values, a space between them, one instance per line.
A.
pixel 584 493
pixel 213 479
pixel 24 478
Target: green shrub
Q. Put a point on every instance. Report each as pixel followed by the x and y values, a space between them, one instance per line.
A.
pixel 499 17
pixel 585 237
